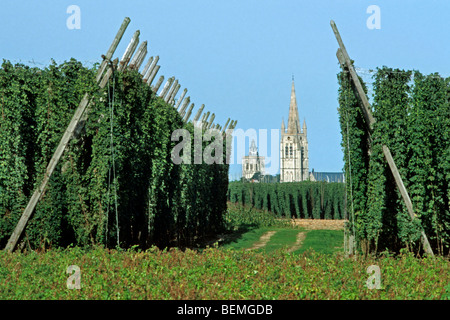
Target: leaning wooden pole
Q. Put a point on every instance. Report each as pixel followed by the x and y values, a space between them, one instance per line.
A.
pixel 344 60
pixel 188 114
pixel 112 48
pixel 199 112
pixel 180 99
pixel 12 242
pixel 168 97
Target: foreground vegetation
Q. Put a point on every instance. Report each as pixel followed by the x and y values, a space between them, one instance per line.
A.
pixel 217 273
pixel 223 272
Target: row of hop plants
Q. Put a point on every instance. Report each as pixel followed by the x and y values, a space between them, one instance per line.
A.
pixel 302 200
pixel 116 183
pixel 412 115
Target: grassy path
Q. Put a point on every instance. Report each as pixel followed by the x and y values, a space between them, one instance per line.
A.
pixel 300 238
pixel 262 240
pixel 295 240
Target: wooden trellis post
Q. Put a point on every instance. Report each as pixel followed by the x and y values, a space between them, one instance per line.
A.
pixel 345 61
pixel 226 124
pixel 172 96
pixel 166 87
pixel 209 124
pixel 153 74
pixel 180 99
pixel 139 57
pixel 188 114
pixel 199 112
pixel 158 84
pixel 184 106
pixel 129 51
pixel 145 72
pixel 170 92
pixel 12 242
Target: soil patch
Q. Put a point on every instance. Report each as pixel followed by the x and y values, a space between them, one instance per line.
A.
pixel 298 243
pixel 316 224
pixel 262 240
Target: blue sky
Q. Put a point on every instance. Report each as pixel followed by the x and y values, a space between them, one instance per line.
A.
pixel 238 57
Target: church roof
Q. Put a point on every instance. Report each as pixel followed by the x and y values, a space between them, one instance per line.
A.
pixel 329 176
pixel 293 120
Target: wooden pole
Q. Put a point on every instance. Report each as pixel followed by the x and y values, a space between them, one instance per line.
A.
pixel 166 87
pixel 366 108
pixel 151 70
pixel 213 116
pixel 405 195
pixel 145 71
pixel 180 99
pixel 173 94
pixel 129 51
pixel 225 126
pixel 112 48
pixel 200 123
pixel 188 114
pixel 170 92
pixel 136 61
pixel 205 119
pixel 199 112
pixel 183 108
pixel 12 242
pixel 153 75
pixel 126 55
pixel 344 60
pixel 158 84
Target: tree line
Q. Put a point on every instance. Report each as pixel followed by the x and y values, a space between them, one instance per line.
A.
pixel 301 200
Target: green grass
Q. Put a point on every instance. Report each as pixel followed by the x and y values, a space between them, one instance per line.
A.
pixel 284 238
pixel 318 270
pixel 323 241
pixel 247 239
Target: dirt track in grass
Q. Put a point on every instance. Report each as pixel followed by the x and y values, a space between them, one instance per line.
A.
pixel 262 240
pixel 298 243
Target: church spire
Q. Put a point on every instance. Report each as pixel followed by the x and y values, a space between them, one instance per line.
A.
pixel 293 120
pixel 283 127
pixel 253 150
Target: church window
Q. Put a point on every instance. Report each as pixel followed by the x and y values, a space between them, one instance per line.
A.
pixel 290 151
pixel 251 167
pixel 286 151
pixel 246 166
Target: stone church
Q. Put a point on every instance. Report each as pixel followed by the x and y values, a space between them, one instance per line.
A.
pixel 293 146
pixel 253 164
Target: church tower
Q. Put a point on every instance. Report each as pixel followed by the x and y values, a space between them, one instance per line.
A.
pixel 293 146
pixel 253 163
